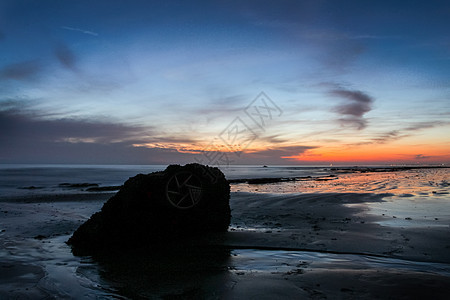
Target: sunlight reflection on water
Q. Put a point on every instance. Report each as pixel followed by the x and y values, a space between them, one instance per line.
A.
pixel 250 260
pixel 424 182
pixel 419 197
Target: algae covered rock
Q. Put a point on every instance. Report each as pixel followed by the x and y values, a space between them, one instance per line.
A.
pixel 157 208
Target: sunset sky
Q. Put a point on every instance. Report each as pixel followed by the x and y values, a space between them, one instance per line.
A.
pixel 240 82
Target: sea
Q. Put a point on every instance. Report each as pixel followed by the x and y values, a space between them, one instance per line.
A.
pixel 24 180
pixel 18 180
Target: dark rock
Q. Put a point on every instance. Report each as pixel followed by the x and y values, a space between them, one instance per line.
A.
pixel 158 209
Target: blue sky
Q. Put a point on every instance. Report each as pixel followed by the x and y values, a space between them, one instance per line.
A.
pixel 159 81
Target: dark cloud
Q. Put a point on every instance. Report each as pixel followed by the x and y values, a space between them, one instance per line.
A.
pixel 353 122
pixel 65 56
pixel 91 153
pixel 421 156
pixel 426 125
pixel 28 138
pixel 21 71
pixel 23 126
pixel 356 104
pixel 359 102
pixel 388 137
pixel 282 151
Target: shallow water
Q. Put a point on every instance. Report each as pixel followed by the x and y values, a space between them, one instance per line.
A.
pixel 407 183
pixel 414 198
pixel 250 260
pixel 409 212
pixel 52 271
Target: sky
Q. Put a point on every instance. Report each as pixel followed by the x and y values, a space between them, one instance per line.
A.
pixel 225 82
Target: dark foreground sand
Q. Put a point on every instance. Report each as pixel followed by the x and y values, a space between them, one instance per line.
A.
pixel 311 246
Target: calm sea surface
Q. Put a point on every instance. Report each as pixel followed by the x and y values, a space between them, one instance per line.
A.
pixel 25 180
pixel 18 180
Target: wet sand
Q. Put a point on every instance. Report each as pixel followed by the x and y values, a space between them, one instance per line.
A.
pixel 311 245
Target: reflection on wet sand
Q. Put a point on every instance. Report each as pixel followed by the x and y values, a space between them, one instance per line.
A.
pixel 175 271
pixel 423 182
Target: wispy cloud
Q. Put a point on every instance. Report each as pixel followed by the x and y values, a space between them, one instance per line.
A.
pixel 394 135
pixel 80 30
pixel 426 125
pixel 375 37
pixel 356 104
pixel 389 136
pixel 21 71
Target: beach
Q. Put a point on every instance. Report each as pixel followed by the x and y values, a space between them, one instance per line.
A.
pixel 333 235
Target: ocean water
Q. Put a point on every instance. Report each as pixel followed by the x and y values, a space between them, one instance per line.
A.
pixel 28 180
pixel 25 180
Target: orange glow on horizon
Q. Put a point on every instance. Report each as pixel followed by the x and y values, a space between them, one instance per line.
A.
pixel 337 154
pixel 375 154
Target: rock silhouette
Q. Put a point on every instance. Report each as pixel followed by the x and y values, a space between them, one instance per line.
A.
pixel 157 209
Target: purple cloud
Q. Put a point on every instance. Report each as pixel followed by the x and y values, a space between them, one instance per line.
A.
pixel 356 104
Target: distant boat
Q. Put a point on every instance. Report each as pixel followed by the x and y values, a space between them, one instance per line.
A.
pixel 265 166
